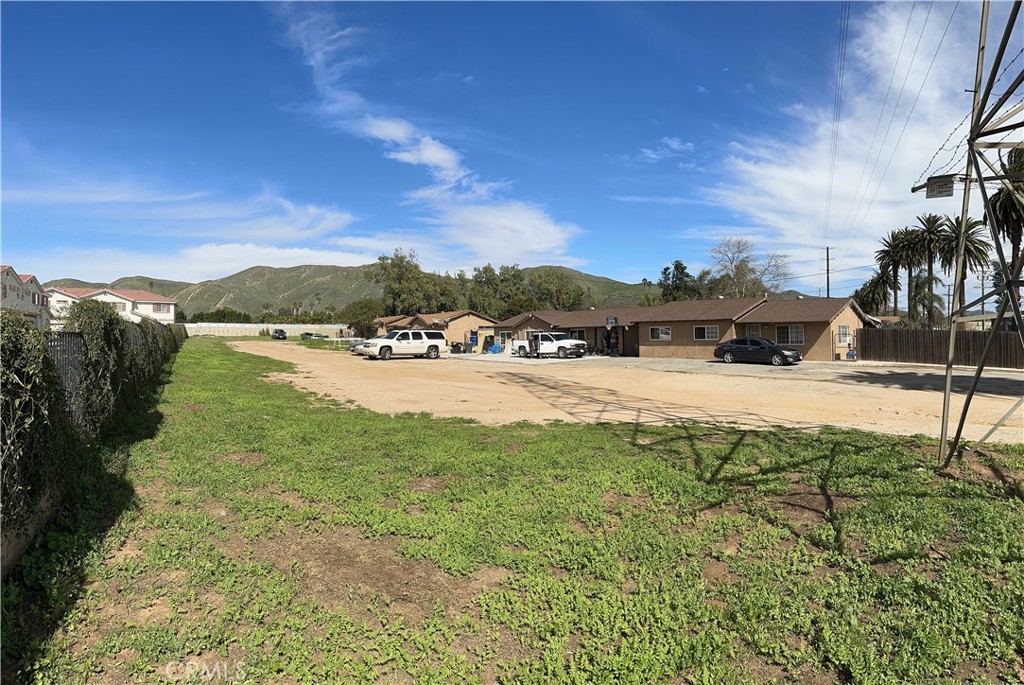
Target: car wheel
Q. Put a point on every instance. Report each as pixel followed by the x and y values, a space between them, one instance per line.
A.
pixel 728 358
pixel 523 352
pixel 385 353
pixel 778 359
pixel 432 352
pixel 562 353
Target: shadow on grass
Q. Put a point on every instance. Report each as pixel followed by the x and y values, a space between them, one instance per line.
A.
pixel 50 578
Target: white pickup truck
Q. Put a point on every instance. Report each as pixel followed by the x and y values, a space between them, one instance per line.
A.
pixel 548 344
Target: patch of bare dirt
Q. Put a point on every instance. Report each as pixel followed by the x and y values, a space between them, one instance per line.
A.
pixel 340 569
pixel 244 458
pixel 638 391
pixel 428 484
pixel 718 572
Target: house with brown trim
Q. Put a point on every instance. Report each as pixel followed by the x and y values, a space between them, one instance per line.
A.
pixel 822 329
pixel 471 330
pixel 690 329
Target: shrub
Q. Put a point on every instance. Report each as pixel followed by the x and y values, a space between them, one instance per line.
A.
pixel 37 445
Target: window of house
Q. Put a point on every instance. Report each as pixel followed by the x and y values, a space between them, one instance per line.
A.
pixel 578 333
pixel 661 332
pixel 117 306
pixel 753 330
pixel 162 308
pixel 505 336
pixel 791 334
pixel 705 332
pixel 844 334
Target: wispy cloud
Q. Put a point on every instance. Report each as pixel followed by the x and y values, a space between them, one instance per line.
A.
pixel 778 186
pixel 660 199
pixel 128 208
pixel 666 148
pixel 466 211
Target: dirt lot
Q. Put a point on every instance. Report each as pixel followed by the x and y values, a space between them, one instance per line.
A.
pixel 496 389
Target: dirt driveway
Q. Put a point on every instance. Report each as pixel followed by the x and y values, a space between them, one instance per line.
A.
pixel 497 389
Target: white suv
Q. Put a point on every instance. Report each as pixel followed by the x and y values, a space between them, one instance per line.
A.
pixel 429 344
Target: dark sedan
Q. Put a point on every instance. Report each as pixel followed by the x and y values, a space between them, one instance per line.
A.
pixel 756 350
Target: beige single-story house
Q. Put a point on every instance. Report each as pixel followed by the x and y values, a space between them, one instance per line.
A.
pixel 690 329
pixel 823 329
pixel 471 330
pixel 24 294
pixel 133 305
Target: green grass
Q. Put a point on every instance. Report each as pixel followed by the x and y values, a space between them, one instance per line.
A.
pixel 287 538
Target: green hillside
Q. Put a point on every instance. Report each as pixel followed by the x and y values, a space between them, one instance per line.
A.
pixel 265 287
pixel 605 292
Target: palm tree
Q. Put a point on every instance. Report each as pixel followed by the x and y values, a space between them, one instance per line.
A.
pixel 888 261
pixel 922 302
pixel 908 255
pixel 976 249
pixel 873 296
pixel 927 238
pixel 1007 211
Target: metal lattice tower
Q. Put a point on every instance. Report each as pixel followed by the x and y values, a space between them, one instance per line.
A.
pixel 996 128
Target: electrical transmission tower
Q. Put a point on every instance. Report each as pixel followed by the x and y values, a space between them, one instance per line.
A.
pixel 996 127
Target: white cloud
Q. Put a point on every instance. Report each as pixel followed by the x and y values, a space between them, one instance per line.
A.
pixel 127 208
pixel 702 89
pixel 666 148
pixel 476 225
pixel 779 185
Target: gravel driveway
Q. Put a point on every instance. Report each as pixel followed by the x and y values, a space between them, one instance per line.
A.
pixel 494 389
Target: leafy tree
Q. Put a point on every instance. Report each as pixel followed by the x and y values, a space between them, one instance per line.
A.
pixel 676 283
pixel 360 315
pixel 404 283
pixel 554 289
pixel 747 274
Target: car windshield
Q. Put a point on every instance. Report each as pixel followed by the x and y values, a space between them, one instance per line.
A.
pixel 559 336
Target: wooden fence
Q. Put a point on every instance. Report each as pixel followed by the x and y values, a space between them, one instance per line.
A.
pixel 932 347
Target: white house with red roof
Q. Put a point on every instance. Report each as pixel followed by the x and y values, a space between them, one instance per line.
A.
pixel 134 305
pixel 24 294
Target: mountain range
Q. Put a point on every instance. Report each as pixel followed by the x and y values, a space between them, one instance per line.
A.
pixel 263 287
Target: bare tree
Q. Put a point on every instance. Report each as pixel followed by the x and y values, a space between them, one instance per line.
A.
pixel 747 274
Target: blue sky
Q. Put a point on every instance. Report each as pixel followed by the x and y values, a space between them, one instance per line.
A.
pixel 192 140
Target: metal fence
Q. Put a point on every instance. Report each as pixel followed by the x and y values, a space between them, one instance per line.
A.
pixel 66 351
pixel 932 347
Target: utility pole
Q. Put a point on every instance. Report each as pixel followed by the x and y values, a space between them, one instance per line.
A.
pixel 828 287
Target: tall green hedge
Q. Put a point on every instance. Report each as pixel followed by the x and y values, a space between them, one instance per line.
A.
pixel 37 444
pixel 42 448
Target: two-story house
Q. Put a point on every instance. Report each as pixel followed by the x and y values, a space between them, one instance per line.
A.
pixel 133 305
pixel 24 294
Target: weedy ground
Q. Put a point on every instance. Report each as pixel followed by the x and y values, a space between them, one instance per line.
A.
pixel 242 531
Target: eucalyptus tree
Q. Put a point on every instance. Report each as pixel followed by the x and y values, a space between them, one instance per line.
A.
pixel 927 239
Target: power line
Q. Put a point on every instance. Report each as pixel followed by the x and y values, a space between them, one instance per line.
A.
pixel 837 108
pixel 912 108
